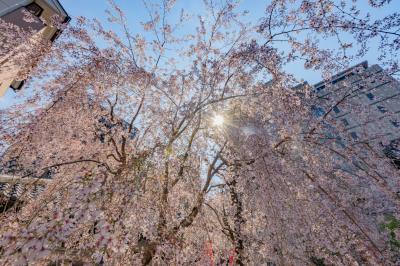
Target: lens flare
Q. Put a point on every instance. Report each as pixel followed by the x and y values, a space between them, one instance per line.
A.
pixel 218 120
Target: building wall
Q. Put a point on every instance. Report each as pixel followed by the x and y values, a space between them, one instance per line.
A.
pixel 11 11
pixel 370 111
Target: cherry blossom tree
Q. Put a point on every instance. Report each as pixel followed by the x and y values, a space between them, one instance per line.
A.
pixel 143 174
pixel 322 31
pixel 23 46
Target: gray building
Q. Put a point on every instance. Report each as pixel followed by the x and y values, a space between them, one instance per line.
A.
pixel 364 102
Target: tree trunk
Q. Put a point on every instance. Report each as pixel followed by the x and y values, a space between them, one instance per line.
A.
pixel 238 222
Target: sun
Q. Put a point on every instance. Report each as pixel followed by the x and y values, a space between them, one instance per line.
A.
pixel 218 120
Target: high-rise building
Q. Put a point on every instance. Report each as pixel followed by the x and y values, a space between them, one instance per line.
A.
pixel 14 12
pixel 365 101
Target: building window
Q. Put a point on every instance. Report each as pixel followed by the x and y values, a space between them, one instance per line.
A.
pixel 392 151
pixel 320 88
pixel 317 111
pixel 55 35
pixel 339 141
pixel 370 96
pixel 339 79
pixel 35 9
pixel 47 174
pixel 395 123
pixel 382 109
pixel 336 109
pixel 17 85
pixel 345 122
pixel 354 135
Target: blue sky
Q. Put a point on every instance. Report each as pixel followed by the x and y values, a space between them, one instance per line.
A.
pixel 136 13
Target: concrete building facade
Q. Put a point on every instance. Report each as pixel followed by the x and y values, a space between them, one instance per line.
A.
pixel 365 102
pixel 13 11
